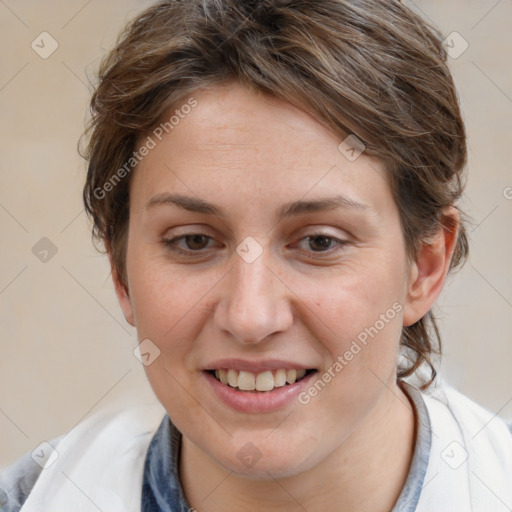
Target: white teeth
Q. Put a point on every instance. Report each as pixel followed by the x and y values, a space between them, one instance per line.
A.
pixel 280 378
pixel 264 381
pixel 223 376
pixel 300 374
pixel 233 378
pixel 291 376
pixel 246 381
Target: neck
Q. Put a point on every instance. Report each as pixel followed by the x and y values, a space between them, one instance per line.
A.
pixel 365 473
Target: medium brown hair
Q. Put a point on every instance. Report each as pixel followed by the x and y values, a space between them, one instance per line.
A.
pixel 371 68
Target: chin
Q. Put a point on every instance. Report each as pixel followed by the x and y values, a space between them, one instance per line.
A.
pixel 263 460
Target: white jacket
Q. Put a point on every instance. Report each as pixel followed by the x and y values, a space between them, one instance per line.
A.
pixel 100 462
pixel 470 464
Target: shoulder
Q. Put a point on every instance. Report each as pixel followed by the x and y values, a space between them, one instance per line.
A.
pixel 471 452
pixel 18 479
pixel 91 439
pixel 482 429
pixel 461 405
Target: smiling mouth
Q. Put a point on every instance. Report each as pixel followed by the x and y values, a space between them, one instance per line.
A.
pixel 261 382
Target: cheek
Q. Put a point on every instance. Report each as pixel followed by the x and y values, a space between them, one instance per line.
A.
pixel 359 322
pixel 162 297
pixel 169 312
pixel 357 317
pixel 344 304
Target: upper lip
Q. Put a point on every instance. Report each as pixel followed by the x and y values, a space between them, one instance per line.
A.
pixel 255 366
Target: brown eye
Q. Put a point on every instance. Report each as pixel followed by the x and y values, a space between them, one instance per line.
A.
pixel 188 244
pixel 320 243
pixel 196 242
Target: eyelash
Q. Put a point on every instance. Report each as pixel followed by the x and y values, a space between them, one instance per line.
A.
pixel 171 244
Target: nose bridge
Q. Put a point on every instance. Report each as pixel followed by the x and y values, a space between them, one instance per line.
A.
pixel 253 304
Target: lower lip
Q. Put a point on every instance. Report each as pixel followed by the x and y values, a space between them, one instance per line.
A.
pixel 257 401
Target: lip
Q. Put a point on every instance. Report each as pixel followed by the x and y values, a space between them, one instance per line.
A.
pixel 256 401
pixel 255 366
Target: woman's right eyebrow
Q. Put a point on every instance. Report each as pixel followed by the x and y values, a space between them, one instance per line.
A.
pixel 295 208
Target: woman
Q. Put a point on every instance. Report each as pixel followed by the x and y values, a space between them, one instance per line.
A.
pixel 276 186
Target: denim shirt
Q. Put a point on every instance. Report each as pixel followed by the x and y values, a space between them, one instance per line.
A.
pixel 161 487
pixel 162 491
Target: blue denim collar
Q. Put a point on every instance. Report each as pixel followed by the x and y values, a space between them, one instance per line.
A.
pixel 162 490
pixel 161 487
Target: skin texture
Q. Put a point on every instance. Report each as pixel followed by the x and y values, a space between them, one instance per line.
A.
pixel 302 300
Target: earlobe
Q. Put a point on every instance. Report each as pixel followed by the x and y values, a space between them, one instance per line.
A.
pixel 122 292
pixel 428 273
pixel 123 296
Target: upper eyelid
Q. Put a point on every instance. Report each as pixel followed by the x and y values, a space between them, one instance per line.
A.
pixel 313 234
pixel 307 235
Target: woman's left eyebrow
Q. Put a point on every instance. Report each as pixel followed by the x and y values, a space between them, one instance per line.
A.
pixel 198 205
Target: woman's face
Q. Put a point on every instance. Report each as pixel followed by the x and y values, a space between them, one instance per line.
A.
pixel 257 245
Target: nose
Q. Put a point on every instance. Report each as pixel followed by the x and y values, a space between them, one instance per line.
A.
pixel 254 302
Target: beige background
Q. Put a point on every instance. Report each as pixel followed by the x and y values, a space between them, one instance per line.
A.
pixel 66 349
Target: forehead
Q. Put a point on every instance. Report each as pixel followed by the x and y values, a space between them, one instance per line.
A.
pixel 259 148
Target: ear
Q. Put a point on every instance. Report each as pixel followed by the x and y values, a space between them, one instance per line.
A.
pixel 428 273
pixel 122 290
